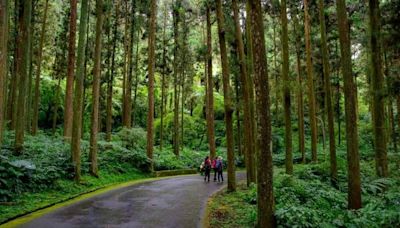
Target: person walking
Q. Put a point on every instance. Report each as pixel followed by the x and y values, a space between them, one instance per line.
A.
pixel 214 167
pixel 220 168
pixel 207 168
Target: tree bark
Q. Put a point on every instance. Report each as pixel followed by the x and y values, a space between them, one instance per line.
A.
pixel 4 9
pixel 353 157
pixel 286 90
pixel 163 82
pixel 23 62
pixel 111 76
pixel 38 72
pixel 300 101
pixel 249 142
pixel 176 63
pixel 377 81
pixel 328 93
pixel 151 67
pixel 96 90
pixel 68 110
pixel 310 78
pixel 210 88
pixel 78 98
pixel 227 98
pixel 265 196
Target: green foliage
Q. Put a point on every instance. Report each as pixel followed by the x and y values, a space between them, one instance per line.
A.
pixel 188 159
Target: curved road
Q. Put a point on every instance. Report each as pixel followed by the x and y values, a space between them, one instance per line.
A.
pixel 172 202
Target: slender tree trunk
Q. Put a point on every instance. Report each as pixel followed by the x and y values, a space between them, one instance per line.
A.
pixel 249 148
pixel 23 58
pixel 56 105
pixel 38 72
pixel 96 90
pixel 300 102
pixel 377 81
pixel 286 90
pixel 136 77
pixel 265 196
pixel 78 98
pixel 151 62
pixel 253 115
pixel 227 98
pixel 176 63
pixel 164 59
pixel 68 110
pixel 4 9
pixel 310 77
pixel 275 72
pixel 12 100
pixel 328 93
pixel 111 76
pixel 353 157
pixel 210 88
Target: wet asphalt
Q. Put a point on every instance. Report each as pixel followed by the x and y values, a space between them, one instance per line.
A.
pixel 174 202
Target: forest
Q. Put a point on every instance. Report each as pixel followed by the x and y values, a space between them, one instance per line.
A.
pixel 301 96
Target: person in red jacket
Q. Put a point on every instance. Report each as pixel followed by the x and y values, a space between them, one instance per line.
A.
pixel 214 167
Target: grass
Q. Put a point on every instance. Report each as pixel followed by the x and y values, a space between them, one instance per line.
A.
pixel 63 190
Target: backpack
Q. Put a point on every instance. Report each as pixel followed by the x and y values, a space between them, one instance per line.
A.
pixel 207 164
pixel 218 164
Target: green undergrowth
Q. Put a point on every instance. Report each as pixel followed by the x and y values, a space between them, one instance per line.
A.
pixel 62 190
pixel 307 199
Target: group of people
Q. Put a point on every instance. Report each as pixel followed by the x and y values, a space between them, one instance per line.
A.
pixel 215 164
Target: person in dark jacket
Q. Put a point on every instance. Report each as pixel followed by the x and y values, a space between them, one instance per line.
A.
pixel 220 168
pixel 207 168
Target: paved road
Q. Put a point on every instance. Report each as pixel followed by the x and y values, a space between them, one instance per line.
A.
pixel 173 202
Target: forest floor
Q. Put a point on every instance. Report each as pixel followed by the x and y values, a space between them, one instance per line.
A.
pixel 171 202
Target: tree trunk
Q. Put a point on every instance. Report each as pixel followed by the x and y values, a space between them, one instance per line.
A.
pixel 265 196
pixel 176 63
pixel 56 105
pixel 164 53
pixel 249 148
pixel 78 98
pixel 12 98
pixel 300 102
pixel 68 110
pixel 96 90
pixel 310 77
pixel 210 89
pixel 151 67
pixel 111 76
pixel 23 62
pixel 353 157
pixel 227 98
pixel 38 72
pixel 328 93
pixel 377 81
pixel 4 9
pixel 286 90
pixel 253 117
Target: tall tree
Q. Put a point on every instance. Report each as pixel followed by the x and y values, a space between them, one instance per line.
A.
pixel 249 142
pixel 96 89
pixel 265 195
pixel 22 71
pixel 176 18
pixel 151 68
pixel 210 87
pixel 377 81
pixel 4 8
pixel 328 93
pixel 353 157
pixel 310 78
pixel 68 109
pixel 110 80
pixel 78 98
pixel 286 89
pixel 227 98
pixel 39 71
pixel 300 101
pixel 163 80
